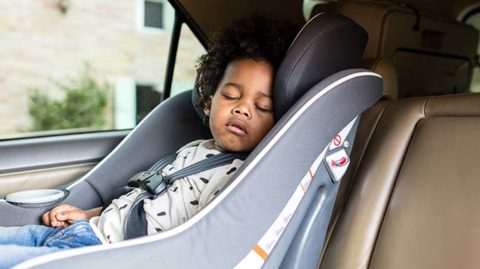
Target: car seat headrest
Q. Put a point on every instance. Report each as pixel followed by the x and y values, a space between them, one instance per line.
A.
pixel 386 69
pixel 328 43
pixel 198 108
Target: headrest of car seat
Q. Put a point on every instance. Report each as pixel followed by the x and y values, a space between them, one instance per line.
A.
pixel 328 43
pixel 198 108
pixel 386 69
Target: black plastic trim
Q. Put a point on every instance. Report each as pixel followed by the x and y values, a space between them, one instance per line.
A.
pixel 172 54
pixel 188 19
pixel 45 152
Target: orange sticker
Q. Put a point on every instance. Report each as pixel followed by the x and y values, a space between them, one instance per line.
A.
pixel 260 252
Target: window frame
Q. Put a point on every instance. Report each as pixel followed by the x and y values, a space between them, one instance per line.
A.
pixel 181 17
pixel 470 12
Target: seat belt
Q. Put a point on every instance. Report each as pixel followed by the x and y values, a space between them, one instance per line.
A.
pixel 154 183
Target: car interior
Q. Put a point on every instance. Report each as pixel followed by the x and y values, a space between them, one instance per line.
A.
pixel 393 80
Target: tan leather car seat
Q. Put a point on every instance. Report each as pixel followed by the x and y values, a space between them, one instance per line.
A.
pixel 415 190
pixel 386 69
pixel 367 123
pixel 433 54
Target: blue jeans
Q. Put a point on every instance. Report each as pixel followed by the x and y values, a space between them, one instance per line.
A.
pixel 18 244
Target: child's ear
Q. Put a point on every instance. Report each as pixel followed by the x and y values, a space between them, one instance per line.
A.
pixel 207 107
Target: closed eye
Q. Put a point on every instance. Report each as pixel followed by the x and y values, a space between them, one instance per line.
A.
pixel 263 109
pixel 229 97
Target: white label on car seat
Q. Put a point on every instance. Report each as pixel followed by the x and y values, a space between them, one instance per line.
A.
pixel 259 253
pixel 337 164
pixel 339 139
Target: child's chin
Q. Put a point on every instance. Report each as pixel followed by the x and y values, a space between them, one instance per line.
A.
pixel 236 147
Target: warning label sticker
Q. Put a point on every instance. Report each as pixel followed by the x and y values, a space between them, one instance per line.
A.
pixel 337 163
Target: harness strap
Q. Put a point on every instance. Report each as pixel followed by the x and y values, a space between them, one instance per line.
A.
pixel 154 184
pixel 136 221
pixel 206 164
pixel 158 166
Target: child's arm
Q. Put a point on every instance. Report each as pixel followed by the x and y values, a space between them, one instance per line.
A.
pixel 64 215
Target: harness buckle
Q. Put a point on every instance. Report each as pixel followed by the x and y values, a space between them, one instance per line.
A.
pixel 152 182
pixel 140 179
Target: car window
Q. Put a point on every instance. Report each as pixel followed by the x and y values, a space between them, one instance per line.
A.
pixel 82 66
pixel 474 20
pixel 185 72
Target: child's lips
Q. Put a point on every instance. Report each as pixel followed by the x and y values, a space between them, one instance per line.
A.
pixel 237 128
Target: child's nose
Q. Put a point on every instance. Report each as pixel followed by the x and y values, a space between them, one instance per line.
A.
pixel 242 110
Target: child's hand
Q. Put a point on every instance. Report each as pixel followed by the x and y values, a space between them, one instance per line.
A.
pixel 64 215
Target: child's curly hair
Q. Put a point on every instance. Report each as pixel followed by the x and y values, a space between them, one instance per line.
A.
pixel 255 38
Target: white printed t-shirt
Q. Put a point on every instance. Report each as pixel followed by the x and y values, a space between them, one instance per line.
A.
pixel 183 199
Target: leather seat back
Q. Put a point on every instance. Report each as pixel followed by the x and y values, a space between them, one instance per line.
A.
pixel 413 201
pixel 386 69
pixel 433 55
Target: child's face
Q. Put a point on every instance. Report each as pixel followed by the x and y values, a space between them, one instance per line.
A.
pixel 241 111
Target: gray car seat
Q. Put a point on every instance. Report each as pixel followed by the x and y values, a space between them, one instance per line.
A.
pixel 276 210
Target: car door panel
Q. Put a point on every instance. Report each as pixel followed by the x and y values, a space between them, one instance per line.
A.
pixel 50 162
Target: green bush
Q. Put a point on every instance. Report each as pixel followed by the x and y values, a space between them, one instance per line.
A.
pixel 83 105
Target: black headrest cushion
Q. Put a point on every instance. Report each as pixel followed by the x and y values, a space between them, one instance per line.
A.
pixel 328 43
pixel 196 106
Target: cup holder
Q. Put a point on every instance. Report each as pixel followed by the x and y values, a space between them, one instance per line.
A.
pixel 36 198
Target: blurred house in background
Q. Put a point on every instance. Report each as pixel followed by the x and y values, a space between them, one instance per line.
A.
pixel 122 43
